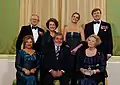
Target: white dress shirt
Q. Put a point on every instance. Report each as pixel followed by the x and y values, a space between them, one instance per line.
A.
pixel 35 34
pixel 57 48
pixel 96 27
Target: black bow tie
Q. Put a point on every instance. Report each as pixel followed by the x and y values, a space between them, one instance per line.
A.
pixel 34 27
pixel 96 22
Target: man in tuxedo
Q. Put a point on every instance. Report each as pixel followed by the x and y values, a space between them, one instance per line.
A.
pixel 33 30
pixel 103 30
pixel 57 62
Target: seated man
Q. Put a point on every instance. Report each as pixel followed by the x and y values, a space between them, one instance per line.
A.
pixel 57 62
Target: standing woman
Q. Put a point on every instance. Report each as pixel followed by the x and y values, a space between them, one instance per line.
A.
pixel 73 35
pixel 51 25
pixel 47 40
pixel 27 63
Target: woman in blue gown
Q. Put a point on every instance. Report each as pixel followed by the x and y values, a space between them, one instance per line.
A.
pixel 91 63
pixel 73 35
pixel 27 63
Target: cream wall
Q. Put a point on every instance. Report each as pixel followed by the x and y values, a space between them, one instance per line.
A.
pixel 59 9
pixel 7 70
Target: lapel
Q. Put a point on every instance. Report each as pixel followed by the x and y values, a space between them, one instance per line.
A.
pixel 38 35
pixel 53 50
pixel 92 28
pixel 99 32
pixel 30 30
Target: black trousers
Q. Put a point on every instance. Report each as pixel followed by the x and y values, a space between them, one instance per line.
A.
pixel 42 70
pixel 74 72
pixel 49 80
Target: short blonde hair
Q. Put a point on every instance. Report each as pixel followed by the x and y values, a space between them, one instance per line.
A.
pixel 98 40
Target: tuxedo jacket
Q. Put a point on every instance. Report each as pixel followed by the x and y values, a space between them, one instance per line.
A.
pixel 105 35
pixel 62 61
pixel 27 30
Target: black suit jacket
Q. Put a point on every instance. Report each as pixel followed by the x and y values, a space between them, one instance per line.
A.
pixel 104 33
pixel 27 30
pixel 62 63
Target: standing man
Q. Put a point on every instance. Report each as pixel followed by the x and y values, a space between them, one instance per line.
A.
pixel 33 30
pixel 103 30
pixel 57 62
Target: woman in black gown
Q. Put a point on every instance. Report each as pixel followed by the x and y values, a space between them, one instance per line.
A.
pixel 47 40
pixel 73 35
pixel 91 63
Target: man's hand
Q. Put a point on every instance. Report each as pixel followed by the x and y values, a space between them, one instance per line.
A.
pixel 54 73
pixel 59 73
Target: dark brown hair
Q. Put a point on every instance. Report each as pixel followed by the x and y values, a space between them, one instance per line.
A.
pixel 27 37
pixel 77 14
pixel 52 20
pixel 96 9
pixel 58 34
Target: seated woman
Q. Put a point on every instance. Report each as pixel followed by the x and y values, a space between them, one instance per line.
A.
pixel 91 63
pixel 27 63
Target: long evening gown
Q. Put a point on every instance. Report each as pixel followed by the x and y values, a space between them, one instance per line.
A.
pixel 73 39
pixel 28 61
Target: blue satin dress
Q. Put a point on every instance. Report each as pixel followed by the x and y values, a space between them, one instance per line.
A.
pixel 28 61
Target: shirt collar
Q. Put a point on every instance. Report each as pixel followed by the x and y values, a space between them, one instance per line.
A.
pixel 98 20
pixel 32 25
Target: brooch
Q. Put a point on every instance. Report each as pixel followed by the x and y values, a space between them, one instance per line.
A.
pixel 104 28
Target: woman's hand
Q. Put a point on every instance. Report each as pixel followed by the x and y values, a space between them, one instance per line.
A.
pixel 73 52
pixel 87 72
pixel 83 70
pixel 27 72
pixel 33 70
pixel 96 71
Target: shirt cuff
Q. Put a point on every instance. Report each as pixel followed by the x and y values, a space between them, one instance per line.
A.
pixel 63 71
pixel 109 55
pixel 50 70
